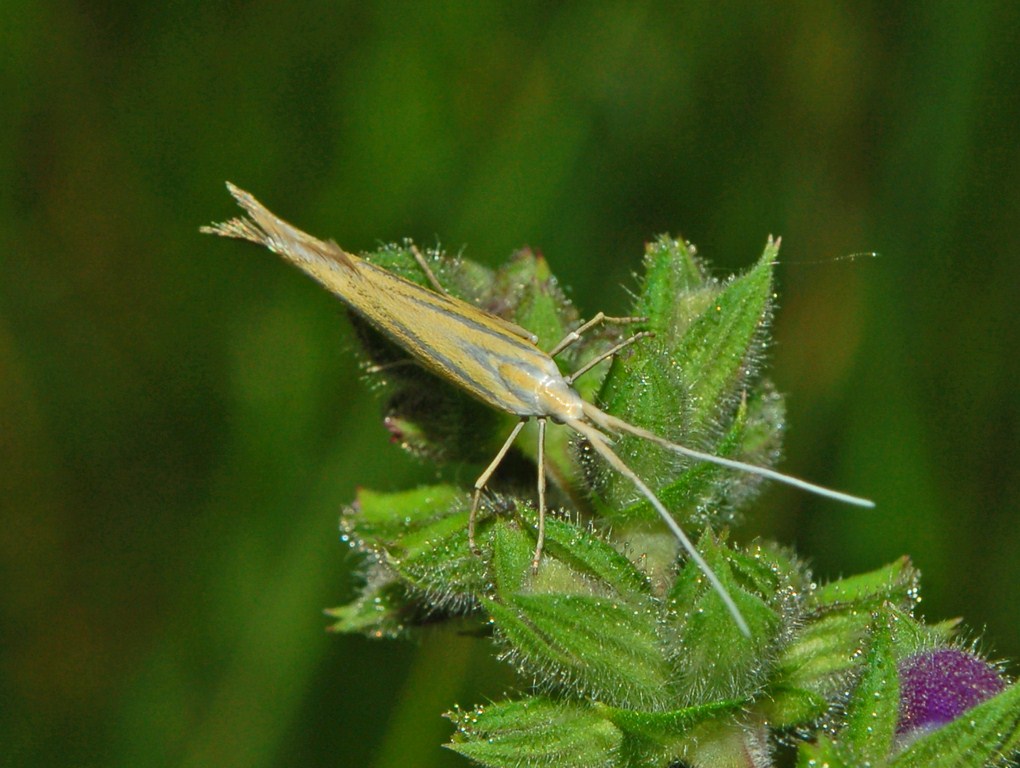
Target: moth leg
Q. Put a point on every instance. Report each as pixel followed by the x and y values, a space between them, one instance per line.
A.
pixel 483 480
pixel 599 319
pixel 429 274
pixel 541 496
pixel 383 367
pixel 605 355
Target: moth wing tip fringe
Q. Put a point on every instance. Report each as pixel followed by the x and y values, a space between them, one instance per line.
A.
pixel 263 227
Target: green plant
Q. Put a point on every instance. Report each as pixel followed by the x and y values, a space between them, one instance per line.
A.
pixel 635 660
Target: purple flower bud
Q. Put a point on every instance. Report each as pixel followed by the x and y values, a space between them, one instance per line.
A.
pixel 938 686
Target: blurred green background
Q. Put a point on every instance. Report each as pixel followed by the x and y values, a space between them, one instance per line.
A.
pixel 181 418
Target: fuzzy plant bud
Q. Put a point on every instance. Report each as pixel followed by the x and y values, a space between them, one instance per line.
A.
pixel 938 686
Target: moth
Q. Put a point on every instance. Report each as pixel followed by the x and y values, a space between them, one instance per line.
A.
pixel 490 358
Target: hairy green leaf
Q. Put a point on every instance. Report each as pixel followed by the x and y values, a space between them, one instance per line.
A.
pixel 873 710
pixel 536 732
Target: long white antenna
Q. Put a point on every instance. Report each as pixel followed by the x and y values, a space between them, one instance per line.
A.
pixel 614 424
pixel 598 442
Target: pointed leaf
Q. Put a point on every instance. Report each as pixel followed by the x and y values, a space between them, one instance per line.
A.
pixel 381 610
pixel 606 648
pixel 585 620
pixel 671 270
pixel 896 583
pixel 420 535
pixel 576 560
pixel 379 517
pixel 687 383
pixel 724 342
pixel 536 732
pixel 910 635
pixel 594 562
pixel 873 710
